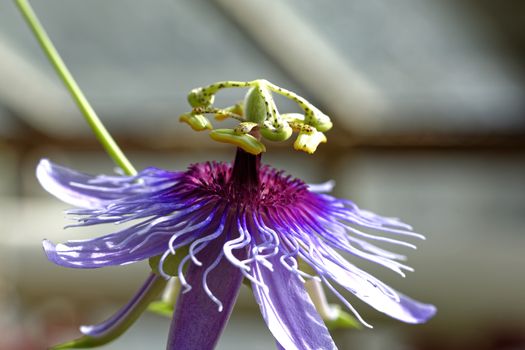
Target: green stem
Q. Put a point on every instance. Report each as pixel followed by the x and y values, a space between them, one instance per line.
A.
pixel 91 117
pixel 148 294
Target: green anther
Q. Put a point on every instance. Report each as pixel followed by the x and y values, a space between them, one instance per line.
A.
pixel 198 122
pixel 309 142
pixel 244 128
pixel 282 133
pixel 246 141
pixel 236 112
pixel 301 127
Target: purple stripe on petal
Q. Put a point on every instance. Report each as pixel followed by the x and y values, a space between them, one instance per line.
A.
pixel 197 324
pixel 288 310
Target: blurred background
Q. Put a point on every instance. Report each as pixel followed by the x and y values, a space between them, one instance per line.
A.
pixel 428 103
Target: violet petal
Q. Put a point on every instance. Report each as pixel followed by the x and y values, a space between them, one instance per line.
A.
pixel 88 191
pixel 101 252
pixel 374 292
pixel 197 323
pixel 287 309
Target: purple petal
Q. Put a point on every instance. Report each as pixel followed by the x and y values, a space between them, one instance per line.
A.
pixel 88 191
pixel 288 310
pixel 144 240
pixel 100 252
pixel 58 181
pixel 197 323
pixel 419 312
pixel 374 292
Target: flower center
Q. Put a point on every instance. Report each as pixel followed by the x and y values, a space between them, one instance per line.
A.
pixel 246 183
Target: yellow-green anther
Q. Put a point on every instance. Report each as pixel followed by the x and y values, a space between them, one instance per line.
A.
pixel 246 141
pixel 308 142
pixel 200 98
pixel 244 127
pixel 235 111
pixel 298 126
pixel 198 122
pixel 281 133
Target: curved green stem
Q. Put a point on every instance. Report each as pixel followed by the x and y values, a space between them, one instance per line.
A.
pixel 91 117
pixel 129 314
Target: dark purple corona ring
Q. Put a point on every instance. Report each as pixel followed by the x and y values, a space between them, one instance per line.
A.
pixel 227 224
